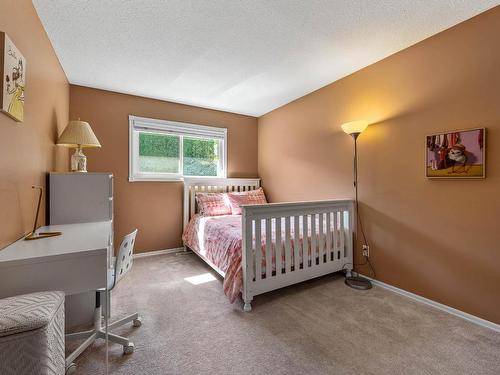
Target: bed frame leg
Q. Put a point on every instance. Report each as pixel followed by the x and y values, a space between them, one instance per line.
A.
pixel 247 307
pixel 348 272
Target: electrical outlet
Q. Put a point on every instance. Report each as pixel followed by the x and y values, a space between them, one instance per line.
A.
pixel 366 251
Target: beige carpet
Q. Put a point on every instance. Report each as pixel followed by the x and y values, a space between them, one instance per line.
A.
pixel 319 327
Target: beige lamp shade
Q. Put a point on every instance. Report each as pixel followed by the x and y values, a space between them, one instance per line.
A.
pixel 78 134
pixel 354 127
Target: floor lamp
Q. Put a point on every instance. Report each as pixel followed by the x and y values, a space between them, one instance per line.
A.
pixel 354 129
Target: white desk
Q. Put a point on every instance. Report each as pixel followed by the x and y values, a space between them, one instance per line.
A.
pixel 75 262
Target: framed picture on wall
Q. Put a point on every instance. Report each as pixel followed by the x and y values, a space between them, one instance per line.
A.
pixel 456 154
pixel 13 73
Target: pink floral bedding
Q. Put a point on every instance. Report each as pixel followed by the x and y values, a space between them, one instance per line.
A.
pixel 219 239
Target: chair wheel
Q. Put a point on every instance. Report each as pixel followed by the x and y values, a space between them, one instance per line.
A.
pixel 128 349
pixel 71 369
pixel 137 322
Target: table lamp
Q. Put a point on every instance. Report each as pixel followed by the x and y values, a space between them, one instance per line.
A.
pixel 78 134
pixel 354 129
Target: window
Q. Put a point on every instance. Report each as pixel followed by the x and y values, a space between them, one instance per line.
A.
pixel 167 151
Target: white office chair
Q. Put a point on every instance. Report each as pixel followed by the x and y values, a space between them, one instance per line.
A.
pixel 122 264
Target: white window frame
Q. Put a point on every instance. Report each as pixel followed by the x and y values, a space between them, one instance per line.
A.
pixel 143 124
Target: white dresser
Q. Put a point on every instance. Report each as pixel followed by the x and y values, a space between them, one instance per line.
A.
pixel 81 198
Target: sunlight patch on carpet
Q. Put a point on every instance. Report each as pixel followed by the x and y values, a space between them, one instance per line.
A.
pixel 200 279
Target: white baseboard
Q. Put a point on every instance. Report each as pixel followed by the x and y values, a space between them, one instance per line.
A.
pixel 158 252
pixel 450 310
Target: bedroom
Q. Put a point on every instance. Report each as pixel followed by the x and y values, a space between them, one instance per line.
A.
pixel 254 94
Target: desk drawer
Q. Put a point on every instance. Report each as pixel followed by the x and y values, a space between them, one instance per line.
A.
pixel 75 275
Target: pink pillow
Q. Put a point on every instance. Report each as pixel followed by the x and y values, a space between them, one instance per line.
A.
pixel 213 204
pixel 246 197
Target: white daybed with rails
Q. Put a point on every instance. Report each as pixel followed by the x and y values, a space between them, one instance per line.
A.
pixel 326 226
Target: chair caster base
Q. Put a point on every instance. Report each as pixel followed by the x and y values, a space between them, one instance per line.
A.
pixel 137 322
pixel 71 369
pixel 128 349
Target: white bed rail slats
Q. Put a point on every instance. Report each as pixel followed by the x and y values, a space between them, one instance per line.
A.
pixel 286 243
pixel 282 243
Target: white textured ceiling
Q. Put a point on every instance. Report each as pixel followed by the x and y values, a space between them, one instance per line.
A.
pixel 247 57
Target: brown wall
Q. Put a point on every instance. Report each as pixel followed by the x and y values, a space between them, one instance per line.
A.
pixel 27 150
pixel 437 238
pixel 155 208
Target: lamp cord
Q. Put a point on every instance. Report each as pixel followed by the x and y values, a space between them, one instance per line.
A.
pixel 358 217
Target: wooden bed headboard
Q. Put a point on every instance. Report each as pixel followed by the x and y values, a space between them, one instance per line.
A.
pixel 212 185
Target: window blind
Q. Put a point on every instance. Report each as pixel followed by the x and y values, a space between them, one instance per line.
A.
pixel 178 128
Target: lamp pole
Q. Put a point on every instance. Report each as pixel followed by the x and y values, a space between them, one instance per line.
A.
pixel 355 137
pixel 357 282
